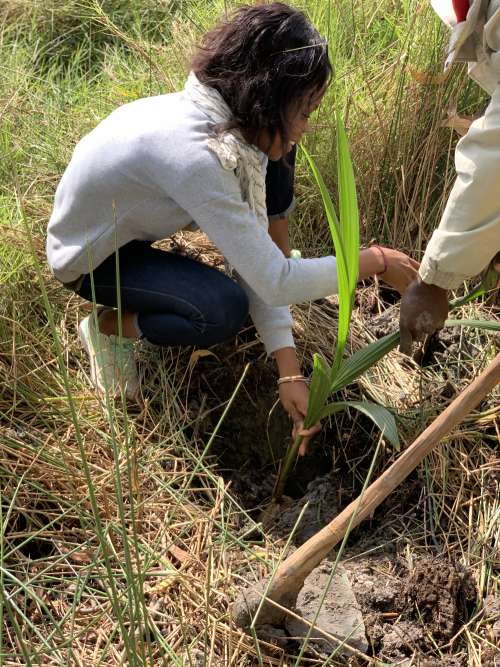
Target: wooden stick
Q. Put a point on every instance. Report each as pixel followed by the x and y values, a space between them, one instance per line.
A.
pixel 290 576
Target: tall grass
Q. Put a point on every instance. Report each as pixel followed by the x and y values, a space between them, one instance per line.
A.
pixel 120 541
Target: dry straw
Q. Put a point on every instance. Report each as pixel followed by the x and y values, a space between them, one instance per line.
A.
pixel 191 545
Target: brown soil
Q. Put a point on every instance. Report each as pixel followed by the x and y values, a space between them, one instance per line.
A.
pixel 409 610
pixel 254 435
pixel 323 504
pixel 440 592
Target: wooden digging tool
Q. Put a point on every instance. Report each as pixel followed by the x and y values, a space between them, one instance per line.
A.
pixel 290 576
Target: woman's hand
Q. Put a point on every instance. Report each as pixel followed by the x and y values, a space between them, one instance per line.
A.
pixel 294 397
pixel 393 267
pixel 401 270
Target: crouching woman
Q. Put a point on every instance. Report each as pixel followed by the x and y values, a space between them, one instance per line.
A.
pixel 200 155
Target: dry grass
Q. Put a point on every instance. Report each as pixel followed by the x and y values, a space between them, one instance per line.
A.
pixel 122 542
pixel 190 553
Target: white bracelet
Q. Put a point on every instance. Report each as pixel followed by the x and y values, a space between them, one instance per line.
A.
pixel 292 378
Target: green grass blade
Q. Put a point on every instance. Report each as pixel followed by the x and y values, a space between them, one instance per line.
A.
pixel 377 413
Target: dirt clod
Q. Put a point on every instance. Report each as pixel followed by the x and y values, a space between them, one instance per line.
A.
pixel 408 610
pixel 404 633
pixel 322 500
pixel 438 591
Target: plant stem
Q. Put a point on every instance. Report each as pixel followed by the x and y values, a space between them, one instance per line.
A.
pixel 288 461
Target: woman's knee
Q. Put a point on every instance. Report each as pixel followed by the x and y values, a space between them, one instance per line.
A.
pixel 235 308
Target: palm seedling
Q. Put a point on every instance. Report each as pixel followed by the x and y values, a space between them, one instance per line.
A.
pixel 328 379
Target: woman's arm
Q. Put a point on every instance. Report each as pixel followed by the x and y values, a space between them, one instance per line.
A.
pixel 287 362
pixel 395 268
pixel 278 231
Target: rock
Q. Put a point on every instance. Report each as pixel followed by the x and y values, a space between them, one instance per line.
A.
pixel 340 614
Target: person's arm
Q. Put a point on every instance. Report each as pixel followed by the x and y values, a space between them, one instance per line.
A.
pixel 274 325
pixel 468 236
pixel 392 266
pixel 278 231
pixel 294 396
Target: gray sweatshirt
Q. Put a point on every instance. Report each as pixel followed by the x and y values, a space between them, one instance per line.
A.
pixel 146 172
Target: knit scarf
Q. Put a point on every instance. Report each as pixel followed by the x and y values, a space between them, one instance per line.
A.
pixel 234 153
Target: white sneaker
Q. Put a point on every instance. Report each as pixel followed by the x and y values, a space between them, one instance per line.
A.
pixel 112 363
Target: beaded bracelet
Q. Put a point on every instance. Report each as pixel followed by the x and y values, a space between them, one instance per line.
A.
pixel 375 245
pixel 292 378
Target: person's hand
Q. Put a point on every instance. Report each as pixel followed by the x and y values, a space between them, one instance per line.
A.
pixel 401 270
pixel 294 397
pixel 393 267
pixel 424 309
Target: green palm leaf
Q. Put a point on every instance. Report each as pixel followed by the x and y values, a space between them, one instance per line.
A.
pixel 363 359
pixel 319 389
pixel 492 325
pixel 349 223
pixel 353 367
pixel 377 413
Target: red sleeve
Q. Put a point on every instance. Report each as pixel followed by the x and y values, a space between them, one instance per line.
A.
pixel 461 8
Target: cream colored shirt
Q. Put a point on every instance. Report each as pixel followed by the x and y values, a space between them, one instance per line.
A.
pixel 468 236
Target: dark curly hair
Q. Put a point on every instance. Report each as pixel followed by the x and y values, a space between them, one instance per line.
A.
pixel 263 60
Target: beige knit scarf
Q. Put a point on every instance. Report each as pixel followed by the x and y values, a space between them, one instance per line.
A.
pixel 234 153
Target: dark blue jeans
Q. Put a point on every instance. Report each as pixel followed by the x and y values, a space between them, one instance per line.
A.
pixel 178 300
